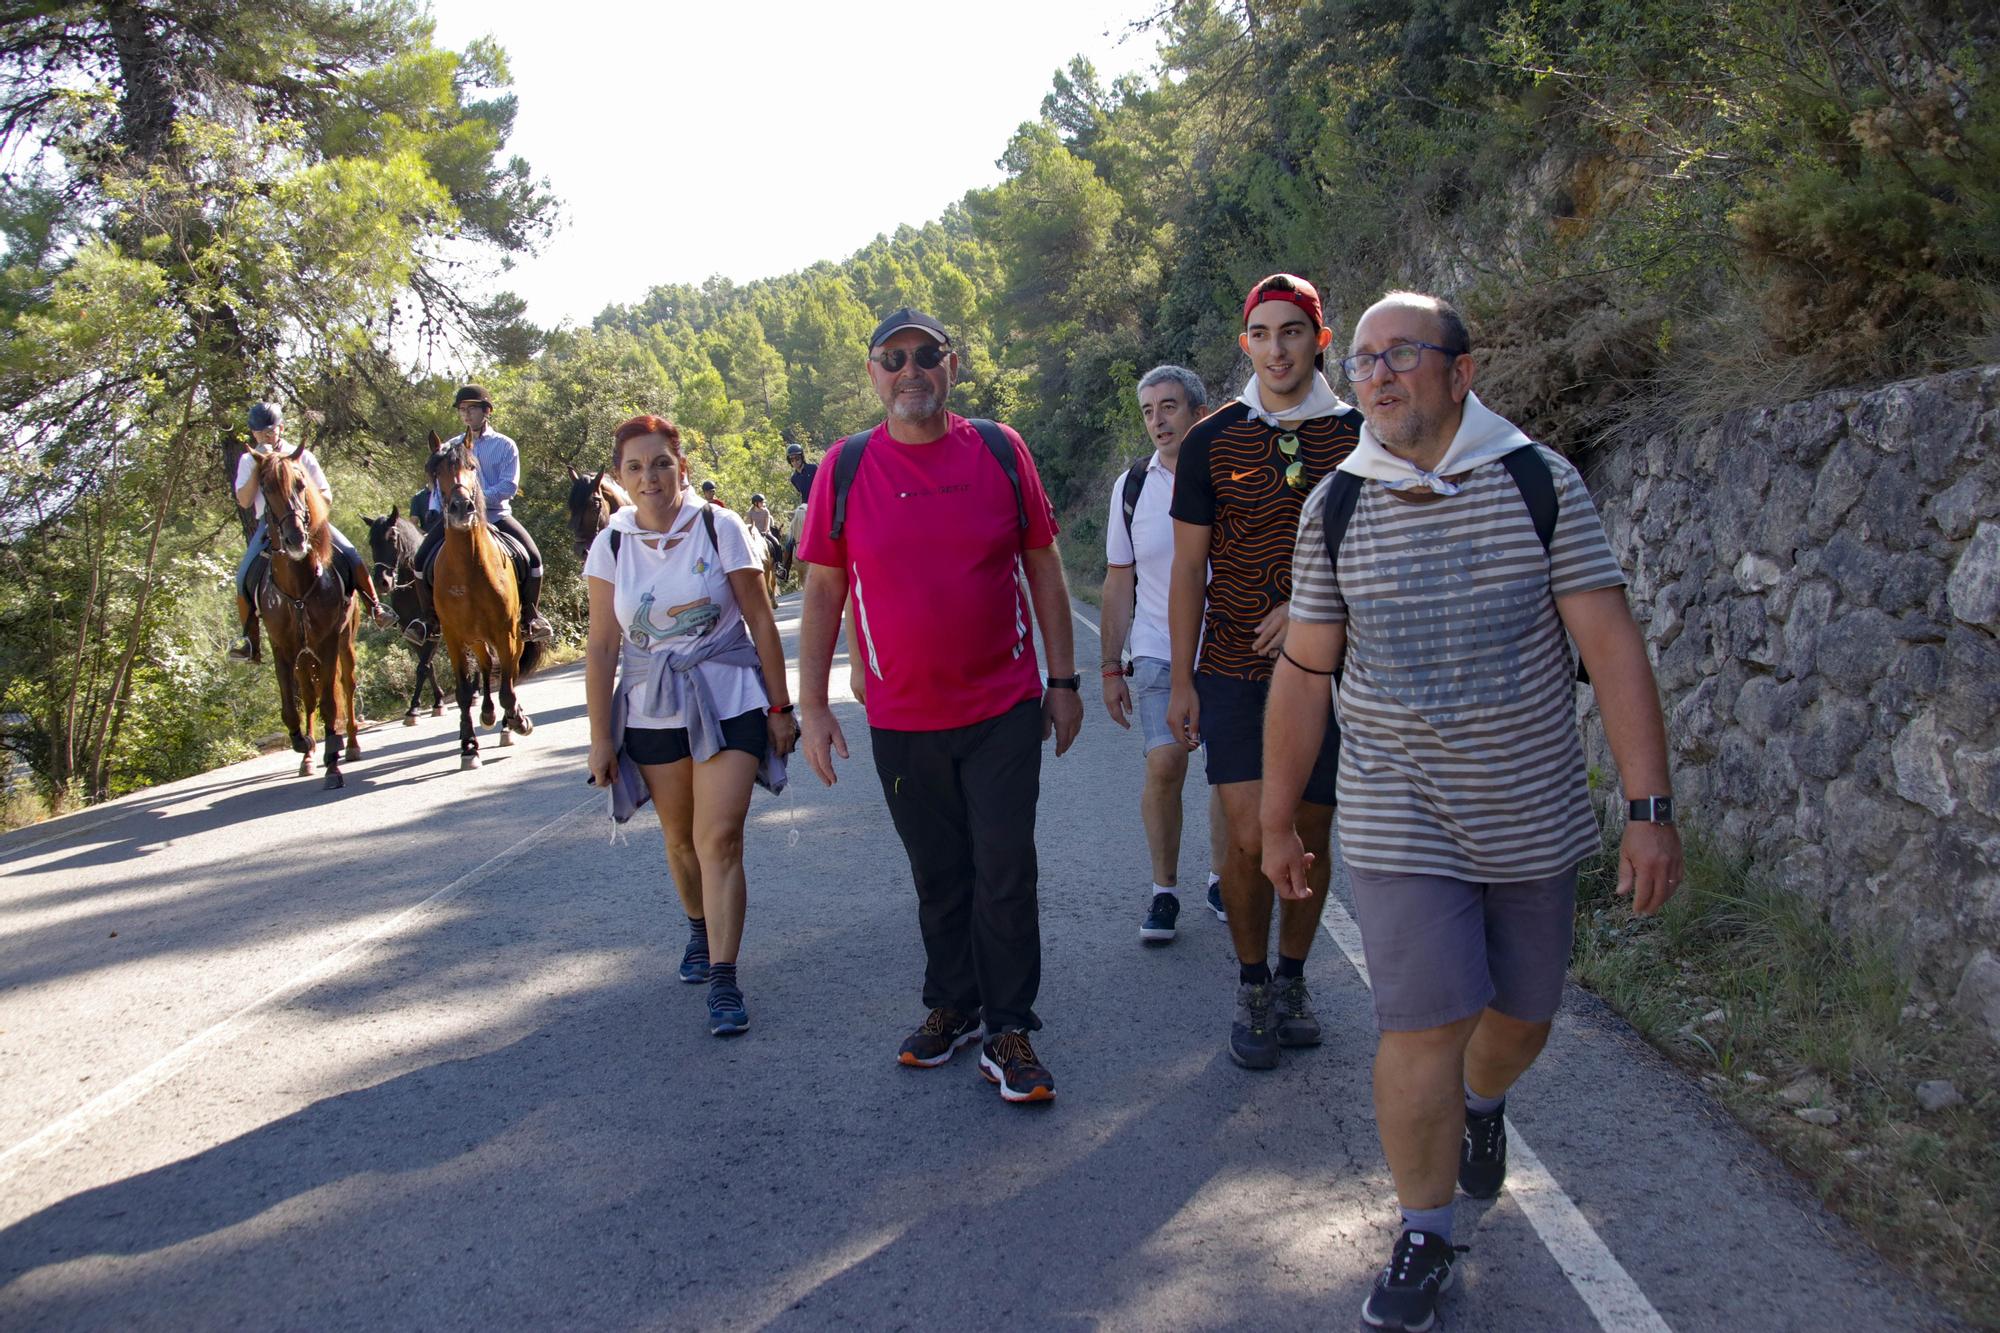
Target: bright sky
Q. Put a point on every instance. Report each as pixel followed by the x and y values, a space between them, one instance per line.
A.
pixel 751 139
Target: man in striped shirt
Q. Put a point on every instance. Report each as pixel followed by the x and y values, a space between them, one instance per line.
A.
pixel 1464 810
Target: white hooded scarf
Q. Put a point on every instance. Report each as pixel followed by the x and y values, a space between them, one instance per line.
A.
pixel 1321 402
pixel 1483 435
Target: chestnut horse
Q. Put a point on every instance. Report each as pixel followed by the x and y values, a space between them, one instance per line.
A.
pixel 392 545
pixel 478 604
pixel 310 617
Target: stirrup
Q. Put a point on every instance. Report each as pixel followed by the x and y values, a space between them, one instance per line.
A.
pixel 538 630
pixel 417 631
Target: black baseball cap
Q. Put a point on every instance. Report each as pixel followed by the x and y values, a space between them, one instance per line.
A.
pixel 905 318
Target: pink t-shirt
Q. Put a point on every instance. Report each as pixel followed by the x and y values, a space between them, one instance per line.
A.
pixel 932 552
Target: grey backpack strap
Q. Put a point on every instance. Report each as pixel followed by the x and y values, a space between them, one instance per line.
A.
pixel 844 468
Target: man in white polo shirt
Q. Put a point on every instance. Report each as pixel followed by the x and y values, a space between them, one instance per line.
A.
pixel 1139 550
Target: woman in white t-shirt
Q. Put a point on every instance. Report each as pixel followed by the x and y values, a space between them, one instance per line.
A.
pixel 685 677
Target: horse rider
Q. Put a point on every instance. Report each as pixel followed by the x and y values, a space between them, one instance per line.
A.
pixel 802 480
pixel 499 460
pixel 759 517
pixel 267 424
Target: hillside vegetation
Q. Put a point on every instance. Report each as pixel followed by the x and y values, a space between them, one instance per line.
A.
pixel 1652 210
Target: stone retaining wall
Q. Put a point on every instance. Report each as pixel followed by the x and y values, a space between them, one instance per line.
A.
pixel 1820 584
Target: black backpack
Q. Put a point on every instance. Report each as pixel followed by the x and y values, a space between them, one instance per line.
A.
pixel 849 462
pixel 1135 482
pixel 1531 478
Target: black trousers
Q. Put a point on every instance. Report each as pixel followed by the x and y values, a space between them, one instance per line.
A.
pixel 434 537
pixel 963 802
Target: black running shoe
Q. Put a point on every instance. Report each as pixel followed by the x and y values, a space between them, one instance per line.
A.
pixel 1482 1157
pixel 1009 1061
pixel 1253 1038
pixel 1158 927
pixel 1406 1292
pixel 1215 902
pixel 694 963
pixel 942 1033
pixel 727 1014
pixel 1291 1003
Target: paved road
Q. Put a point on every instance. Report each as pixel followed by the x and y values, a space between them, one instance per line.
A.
pixel 413 1054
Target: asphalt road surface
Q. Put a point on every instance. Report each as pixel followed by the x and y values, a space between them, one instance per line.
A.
pixel 413 1054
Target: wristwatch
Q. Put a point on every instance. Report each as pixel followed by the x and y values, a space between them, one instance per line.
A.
pixel 1065 682
pixel 1651 810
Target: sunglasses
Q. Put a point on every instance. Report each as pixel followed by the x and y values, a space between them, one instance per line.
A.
pixel 927 358
pixel 1295 475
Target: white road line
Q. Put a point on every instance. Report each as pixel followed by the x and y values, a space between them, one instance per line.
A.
pixel 53 1136
pixel 1614 1299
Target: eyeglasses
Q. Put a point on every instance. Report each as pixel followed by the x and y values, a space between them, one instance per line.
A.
pixel 1295 475
pixel 1402 359
pixel 927 358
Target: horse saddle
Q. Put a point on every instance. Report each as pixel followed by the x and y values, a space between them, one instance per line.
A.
pixel 517 554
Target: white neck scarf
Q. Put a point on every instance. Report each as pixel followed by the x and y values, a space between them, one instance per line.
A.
pixel 1321 402
pixel 1483 435
pixel 626 517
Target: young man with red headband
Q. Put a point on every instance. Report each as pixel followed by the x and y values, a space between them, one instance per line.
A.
pixel 1244 472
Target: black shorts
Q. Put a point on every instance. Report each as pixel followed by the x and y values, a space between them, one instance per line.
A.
pixel 748 732
pixel 1232 733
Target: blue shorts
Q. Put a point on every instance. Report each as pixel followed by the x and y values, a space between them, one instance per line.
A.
pixel 748 732
pixel 1232 734
pixel 1152 683
pixel 1441 949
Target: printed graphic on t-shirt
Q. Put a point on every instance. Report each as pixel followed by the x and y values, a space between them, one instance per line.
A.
pixel 685 621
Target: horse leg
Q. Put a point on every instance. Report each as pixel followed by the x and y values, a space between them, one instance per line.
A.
pixel 288 701
pixel 515 717
pixel 329 710
pixel 308 691
pixel 427 667
pixel 486 713
pixel 349 694
pixel 468 739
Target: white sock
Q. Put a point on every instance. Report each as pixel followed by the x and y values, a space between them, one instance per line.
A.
pixel 1159 889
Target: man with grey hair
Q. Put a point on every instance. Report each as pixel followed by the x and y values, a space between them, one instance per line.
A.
pixel 1446 565
pixel 1138 565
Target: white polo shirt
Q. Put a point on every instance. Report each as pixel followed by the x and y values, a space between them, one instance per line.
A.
pixel 1150 550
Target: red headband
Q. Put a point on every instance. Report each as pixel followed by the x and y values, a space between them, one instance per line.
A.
pixel 1305 297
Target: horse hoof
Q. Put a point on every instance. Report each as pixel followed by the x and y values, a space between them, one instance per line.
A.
pixel 506 738
pixel 300 743
pixel 522 724
pixel 353 752
pixel 466 761
pixel 486 716
pixel 306 767
pixel 437 710
pixel 334 781
pixel 410 718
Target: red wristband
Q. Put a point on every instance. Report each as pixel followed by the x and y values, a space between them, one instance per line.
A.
pixel 780 708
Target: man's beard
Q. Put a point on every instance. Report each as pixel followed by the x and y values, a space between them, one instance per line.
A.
pixel 904 407
pixel 1405 436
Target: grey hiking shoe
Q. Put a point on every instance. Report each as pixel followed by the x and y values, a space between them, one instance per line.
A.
pixel 1297 1024
pixel 1253 1041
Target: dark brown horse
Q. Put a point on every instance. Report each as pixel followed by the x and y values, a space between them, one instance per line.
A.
pixel 592 502
pixel 392 546
pixel 310 616
pixel 478 604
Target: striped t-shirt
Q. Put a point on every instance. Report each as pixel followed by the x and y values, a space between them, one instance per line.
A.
pixel 1459 753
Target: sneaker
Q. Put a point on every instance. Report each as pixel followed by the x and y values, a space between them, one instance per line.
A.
pixel 1158 927
pixel 537 630
pixel 694 963
pixel 1482 1157
pixel 1009 1061
pixel 1253 1042
pixel 1297 1025
pixel 1215 901
pixel 942 1033
pixel 242 651
pixel 727 1015
pixel 1406 1292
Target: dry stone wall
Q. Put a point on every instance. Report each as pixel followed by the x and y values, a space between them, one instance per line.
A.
pixel 1820 584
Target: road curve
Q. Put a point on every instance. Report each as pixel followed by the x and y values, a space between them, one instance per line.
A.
pixel 413 1054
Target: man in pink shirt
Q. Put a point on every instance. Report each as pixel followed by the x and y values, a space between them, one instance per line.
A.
pixel 940 531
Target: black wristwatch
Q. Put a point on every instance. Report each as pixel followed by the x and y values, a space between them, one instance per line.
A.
pixel 1065 682
pixel 1651 810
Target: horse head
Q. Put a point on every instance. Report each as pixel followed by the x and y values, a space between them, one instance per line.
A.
pixel 458 483
pixel 294 510
pixel 592 502
pixel 392 544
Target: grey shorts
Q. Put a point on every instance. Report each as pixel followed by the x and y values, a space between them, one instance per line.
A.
pixel 1442 949
pixel 1151 683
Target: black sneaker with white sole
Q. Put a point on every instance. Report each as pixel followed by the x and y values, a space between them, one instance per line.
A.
pixel 1158 927
pixel 1215 902
pixel 1482 1155
pixel 938 1039
pixel 1406 1292
pixel 1009 1061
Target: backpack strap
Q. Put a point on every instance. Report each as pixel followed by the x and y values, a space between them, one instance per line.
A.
pixel 1002 450
pixel 1341 495
pixel 844 468
pixel 1538 490
pixel 1135 482
pixel 616 535
pixel 708 521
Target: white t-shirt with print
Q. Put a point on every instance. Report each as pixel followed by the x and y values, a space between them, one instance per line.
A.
pixel 662 592
pixel 307 463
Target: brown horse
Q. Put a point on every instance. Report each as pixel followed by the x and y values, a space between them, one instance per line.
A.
pixel 311 618
pixel 592 502
pixel 478 605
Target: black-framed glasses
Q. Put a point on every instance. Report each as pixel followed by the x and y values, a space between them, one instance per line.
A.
pixel 1295 474
pixel 1402 358
pixel 927 358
